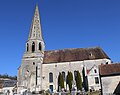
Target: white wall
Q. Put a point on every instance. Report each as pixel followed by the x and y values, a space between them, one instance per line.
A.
pixel 55 68
pixel 91 78
pixel 109 84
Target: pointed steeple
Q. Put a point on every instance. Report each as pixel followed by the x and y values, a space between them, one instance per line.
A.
pixel 35 29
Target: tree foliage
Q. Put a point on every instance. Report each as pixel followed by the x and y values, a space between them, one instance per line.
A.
pixel 60 81
pixel 78 81
pixel 7 76
pixel 69 80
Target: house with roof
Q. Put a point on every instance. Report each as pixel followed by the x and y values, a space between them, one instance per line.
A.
pixel 93 78
pixel 110 78
pixel 8 86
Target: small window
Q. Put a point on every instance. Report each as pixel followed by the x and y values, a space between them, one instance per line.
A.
pixel 63 74
pixel 50 77
pixel 40 48
pixel 90 54
pixel 106 62
pixel 51 88
pixel 27 47
pixel 95 71
pixel 33 47
pixel 96 80
pixel 33 63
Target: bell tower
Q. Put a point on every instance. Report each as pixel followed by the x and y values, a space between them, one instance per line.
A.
pixel 30 71
pixel 35 43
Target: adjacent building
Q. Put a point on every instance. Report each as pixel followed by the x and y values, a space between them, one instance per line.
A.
pixel 93 78
pixel 8 86
pixel 110 79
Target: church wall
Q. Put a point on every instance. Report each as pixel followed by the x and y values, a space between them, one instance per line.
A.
pixel 90 63
pixel 28 73
pixel 55 68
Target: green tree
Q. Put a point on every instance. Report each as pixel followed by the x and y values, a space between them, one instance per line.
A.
pixel 78 81
pixel 60 81
pixel 69 80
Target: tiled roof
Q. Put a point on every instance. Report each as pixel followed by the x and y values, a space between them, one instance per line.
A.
pixel 78 54
pixel 9 83
pixel 109 69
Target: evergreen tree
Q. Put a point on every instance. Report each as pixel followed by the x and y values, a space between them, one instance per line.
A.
pixel 67 77
pixel 69 80
pixel 60 81
pixel 78 81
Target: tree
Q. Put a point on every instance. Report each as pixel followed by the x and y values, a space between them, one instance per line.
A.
pixel 78 81
pixel 60 81
pixel 69 80
pixel 7 76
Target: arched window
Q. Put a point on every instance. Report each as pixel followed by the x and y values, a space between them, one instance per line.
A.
pixel 27 47
pixel 63 74
pixel 50 77
pixel 40 47
pixel 33 47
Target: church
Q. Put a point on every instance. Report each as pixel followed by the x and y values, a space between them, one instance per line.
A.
pixel 40 68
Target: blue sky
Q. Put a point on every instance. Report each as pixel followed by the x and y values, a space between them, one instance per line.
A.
pixel 65 24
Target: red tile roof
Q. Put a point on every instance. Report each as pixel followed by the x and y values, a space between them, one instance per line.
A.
pixel 109 69
pixel 78 54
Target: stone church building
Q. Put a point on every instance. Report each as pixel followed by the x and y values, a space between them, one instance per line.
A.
pixel 40 68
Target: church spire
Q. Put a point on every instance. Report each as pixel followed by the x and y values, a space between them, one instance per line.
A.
pixel 35 29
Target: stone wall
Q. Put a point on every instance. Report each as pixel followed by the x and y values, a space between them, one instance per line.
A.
pixel 55 68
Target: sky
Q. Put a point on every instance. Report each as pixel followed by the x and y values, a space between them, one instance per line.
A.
pixel 65 24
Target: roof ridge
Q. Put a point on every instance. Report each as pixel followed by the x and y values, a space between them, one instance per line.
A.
pixel 75 48
pixel 110 64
